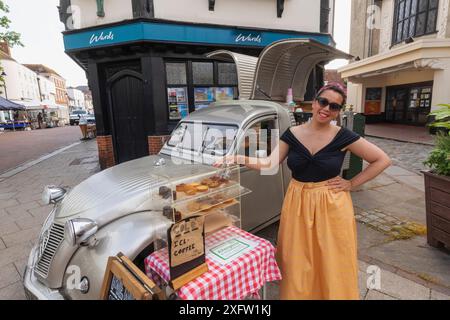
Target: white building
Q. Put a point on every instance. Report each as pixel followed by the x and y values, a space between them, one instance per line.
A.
pixel 76 99
pixel 47 91
pixel 404 67
pixel 20 85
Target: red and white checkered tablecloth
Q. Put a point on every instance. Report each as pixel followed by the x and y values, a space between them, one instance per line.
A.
pixel 242 277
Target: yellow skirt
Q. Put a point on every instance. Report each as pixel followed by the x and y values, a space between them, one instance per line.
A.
pixel 317 244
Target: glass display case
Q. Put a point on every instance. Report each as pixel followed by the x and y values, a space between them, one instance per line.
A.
pixel 193 190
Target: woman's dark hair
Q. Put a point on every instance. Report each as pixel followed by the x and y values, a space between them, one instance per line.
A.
pixel 336 87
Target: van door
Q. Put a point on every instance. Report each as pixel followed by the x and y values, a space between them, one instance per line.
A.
pixel 263 205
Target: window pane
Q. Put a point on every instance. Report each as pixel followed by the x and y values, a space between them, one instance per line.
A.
pixel 407 8
pixel 413 6
pixel 423 4
pixel 431 22
pixel 227 74
pixel 203 72
pixel 420 28
pixel 405 29
pixel 399 31
pixel 401 10
pixel 412 25
pixel 176 73
pixel 433 4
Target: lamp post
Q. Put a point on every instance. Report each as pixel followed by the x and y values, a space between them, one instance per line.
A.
pixel 4 84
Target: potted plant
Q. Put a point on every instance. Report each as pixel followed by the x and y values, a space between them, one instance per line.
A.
pixel 437 181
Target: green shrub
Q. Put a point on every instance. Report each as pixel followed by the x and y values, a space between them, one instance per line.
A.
pixel 439 159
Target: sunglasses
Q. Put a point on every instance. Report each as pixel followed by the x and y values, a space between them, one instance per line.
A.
pixel 323 102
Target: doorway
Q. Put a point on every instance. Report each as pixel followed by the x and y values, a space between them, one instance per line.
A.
pixel 409 104
pixel 126 94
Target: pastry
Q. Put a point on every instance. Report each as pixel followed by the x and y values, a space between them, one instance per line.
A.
pixel 202 188
pixel 191 192
pixel 181 187
pixel 206 182
pixel 193 206
pixel 223 180
pixel 214 184
pixel 194 185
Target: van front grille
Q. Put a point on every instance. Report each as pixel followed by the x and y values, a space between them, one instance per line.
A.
pixel 49 243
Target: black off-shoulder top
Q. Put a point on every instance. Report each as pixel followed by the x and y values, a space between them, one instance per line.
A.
pixel 324 164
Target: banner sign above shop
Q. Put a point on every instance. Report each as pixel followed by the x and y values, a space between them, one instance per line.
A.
pixel 180 33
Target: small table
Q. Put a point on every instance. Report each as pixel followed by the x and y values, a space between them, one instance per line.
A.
pixel 242 277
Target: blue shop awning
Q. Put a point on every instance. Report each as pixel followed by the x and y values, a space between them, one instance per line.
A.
pixel 6 104
pixel 189 33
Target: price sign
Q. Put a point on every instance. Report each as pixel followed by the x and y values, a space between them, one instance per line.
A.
pixel 187 249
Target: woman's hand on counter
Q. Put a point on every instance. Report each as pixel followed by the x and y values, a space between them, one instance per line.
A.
pixel 339 184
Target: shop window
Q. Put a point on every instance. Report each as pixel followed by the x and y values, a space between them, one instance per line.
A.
pixel 206 82
pixel 414 18
pixel 227 74
pixel 203 73
pixel 176 73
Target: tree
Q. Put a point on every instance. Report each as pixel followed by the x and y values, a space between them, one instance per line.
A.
pixel 12 38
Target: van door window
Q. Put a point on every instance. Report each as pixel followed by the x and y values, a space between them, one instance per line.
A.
pixel 258 139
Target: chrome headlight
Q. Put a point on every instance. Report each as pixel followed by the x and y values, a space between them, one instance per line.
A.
pixel 77 231
pixel 53 194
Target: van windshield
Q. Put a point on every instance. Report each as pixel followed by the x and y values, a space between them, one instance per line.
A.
pixel 208 138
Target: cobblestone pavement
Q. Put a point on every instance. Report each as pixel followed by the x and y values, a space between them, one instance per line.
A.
pixel 22 213
pixel 409 156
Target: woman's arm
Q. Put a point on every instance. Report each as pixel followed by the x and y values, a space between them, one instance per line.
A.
pixel 378 161
pixel 277 156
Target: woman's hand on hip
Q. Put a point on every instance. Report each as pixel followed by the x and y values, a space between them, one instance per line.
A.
pixel 339 184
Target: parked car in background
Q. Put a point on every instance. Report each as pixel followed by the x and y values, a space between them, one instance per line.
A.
pixel 75 116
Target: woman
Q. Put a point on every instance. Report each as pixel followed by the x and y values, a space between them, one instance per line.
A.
pixel 317 249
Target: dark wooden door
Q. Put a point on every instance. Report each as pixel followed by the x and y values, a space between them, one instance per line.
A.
pixel 127 104
pixel 396 104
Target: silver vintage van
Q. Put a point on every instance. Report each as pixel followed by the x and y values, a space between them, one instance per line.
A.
pixel 112 212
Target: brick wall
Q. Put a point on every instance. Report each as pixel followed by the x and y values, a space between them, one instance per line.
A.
pixel 105 152
pixel 155 143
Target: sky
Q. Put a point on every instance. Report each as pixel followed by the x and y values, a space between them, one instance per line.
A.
pixel 38 22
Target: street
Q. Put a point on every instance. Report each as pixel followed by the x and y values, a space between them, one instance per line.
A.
pixel 23 146
pixel 386 209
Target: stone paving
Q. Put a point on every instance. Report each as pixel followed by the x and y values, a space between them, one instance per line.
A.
pixel 400 132
pixel 409 156
pixel 22 213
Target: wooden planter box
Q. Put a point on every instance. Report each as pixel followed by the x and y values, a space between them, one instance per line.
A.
pixel 437 198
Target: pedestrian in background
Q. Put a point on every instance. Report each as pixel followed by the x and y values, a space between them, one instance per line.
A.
pixel 317 243
pixel 39 117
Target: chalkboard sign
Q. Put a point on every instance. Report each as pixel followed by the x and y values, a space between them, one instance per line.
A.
pixel 117 290
pixel 125 281
pixel 187 250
